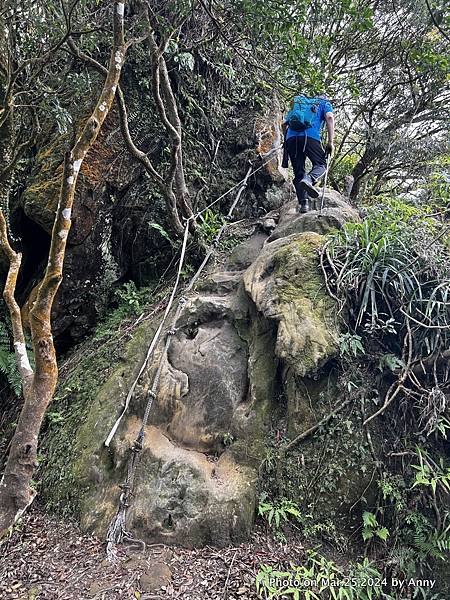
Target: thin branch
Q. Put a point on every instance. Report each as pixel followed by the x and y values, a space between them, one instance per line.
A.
pixel 436 24
pixel 305 434
pixel 398 384
pixel 20 349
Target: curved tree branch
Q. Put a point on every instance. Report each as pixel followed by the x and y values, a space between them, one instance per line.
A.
pixel 15 491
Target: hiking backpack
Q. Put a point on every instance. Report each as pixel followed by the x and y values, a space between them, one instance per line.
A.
pixel 303 112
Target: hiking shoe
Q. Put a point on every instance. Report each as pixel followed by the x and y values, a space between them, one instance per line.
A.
pixel 307 184
pixel 303 207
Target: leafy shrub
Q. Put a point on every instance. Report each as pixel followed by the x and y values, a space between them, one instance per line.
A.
pixel 391 273
pixel 8 366
pixel 322 579
pixel 391 276
pixel 130 301
pixel 210 225
pixel 129 297
pixel 278 512
pixel 372 528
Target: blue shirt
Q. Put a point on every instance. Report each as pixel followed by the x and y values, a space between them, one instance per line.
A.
pixel 319 120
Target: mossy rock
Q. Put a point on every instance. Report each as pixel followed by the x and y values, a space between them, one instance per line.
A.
pixel 286 284
pixel 84 409
pixel 196 481
pixel 40 198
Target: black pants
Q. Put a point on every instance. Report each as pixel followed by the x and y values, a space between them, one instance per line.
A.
pixel 298 150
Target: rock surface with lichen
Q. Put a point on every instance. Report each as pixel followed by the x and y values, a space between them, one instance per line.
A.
pixel 286 285
pixel 260 327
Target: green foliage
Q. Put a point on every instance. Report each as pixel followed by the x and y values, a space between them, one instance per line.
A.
pixel 211 223
pixel 278 512
pixel 430 473
pixel 382 273
pixel 319 578
pixel 8 364
pixel 427 542
pixel 393 489
pixel 372 528
pixel 228 439
pixel 130 298
pixel 390 361
pixel 343 166
pixel 415 538
pixel 164 233
pixel 392 274
pixel 438 183
pixel 130 302
pixel 443 427
pixel 351 344
pixel 54 416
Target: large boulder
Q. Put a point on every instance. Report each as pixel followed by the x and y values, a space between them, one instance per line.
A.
pixel 197 476
pixel 286 284
pixel 334 214
pixel 261 328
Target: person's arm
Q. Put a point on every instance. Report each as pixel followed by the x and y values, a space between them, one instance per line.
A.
pixel 329 119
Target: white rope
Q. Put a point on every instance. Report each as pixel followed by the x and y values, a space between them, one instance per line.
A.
pixel 158 332
pixel 117 531
pixel 154 340
pixel 269 158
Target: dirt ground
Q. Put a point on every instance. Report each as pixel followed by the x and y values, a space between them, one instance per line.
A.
pixel 47 558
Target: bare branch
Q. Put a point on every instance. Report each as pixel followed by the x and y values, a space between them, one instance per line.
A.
pixel 15 259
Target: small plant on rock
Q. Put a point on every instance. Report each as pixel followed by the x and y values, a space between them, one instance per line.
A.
pixel 278 512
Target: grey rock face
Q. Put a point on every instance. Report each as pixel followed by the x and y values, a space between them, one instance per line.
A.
pixel 263 322
pixel 335 213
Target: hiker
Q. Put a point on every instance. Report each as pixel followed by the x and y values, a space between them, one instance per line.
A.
pixel 302 133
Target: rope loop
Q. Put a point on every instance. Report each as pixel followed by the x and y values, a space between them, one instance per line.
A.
pixel 123 499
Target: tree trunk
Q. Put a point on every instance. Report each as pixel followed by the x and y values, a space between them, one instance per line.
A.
pixel 363 168
pixel 6 154
pixel 16 491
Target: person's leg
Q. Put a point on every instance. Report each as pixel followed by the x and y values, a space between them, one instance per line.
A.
pixel 316 155
pixel 295 149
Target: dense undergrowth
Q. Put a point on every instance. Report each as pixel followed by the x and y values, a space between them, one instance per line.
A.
pixel 390 275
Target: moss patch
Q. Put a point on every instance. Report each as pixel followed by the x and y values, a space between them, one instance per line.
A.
pixel 299 277
pixel 40 199
pixel 83 410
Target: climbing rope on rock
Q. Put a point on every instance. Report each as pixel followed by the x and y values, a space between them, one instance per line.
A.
pixel 155 337
pixel 117 532
pixel 240 186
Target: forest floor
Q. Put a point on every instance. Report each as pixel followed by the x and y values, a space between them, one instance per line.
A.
pixel 47 558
